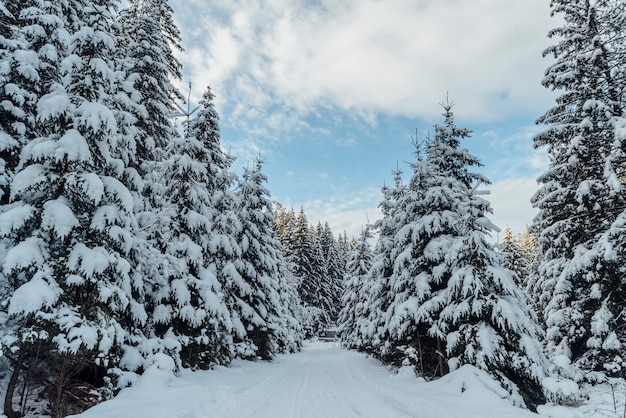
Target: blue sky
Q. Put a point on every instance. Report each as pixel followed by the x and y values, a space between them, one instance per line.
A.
pixel 330 92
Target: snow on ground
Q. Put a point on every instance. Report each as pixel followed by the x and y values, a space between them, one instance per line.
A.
pixel 323 380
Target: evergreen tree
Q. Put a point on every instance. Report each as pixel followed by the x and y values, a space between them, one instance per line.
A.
pixel 285 224
pixel 420 215
pixel 447 292
pixel 150 35
pixel 145 67
pixel 30 68
pixel 304 259
pixel 31 61
pixel 70 260
pixel 529 251
pixel 320 279
pixel 222 249
pixel 354 296
pixel 270 325
pixel 190 304
pixel 378 297
pixel 335 266
pixel 514 258
pixel 582 192
pixel 479 312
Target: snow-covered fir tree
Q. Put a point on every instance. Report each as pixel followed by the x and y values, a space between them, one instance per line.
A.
pixel 405 326
pixel 480 312
pixel 285 223
pixel 144 62
pixel 523 257
pixel 582 194
pixel 515 259
pixel 305 260
pixel 70 225
pixel 378 295
pixel 355 290
pixel 120 235
pixel 221 247
pixel 149 36
pixel 33 41
pixel 321 281
pixel 335 266
pixel 270 323
pixel 190 304
pixel 316 262
pixel 446 299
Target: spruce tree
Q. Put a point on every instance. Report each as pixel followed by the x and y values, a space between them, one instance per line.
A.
pixel 320 280
pixel 354 296
pixel 221 248
pixel 31 61
pixel 582 192
pixel 378 296
pixel 268 321
pixel 303 262
pixel 449 300
pixel 190 304
pixel 479 311
pixel 70 227
pixel 335 264
pixel 147 97
pixel 515 259
pixel 418 219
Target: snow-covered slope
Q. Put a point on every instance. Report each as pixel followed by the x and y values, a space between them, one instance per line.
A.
pixel 323 380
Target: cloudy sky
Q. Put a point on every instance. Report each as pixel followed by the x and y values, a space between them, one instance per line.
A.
pixel 331 92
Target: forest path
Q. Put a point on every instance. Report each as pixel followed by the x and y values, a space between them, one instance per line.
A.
pixel 321 381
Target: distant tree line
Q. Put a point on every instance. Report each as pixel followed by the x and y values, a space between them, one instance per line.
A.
pixel 317 261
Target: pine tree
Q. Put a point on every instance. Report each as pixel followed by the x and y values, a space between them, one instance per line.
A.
pixel 70 228
pixel 582 190
pixel 354 296
pixel 270 325
pixel 378 296
pixel 221 247
pixel 190 304
pixel 418 219
pixel 479 310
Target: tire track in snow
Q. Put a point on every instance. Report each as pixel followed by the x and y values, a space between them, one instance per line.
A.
pixel 283 390
pixel 399 409
pixel 337 392
pixel 388 395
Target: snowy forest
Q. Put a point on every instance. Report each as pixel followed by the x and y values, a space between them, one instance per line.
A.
pixel 128 241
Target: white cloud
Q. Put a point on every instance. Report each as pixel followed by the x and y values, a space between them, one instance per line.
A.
pixel 368 56
pixel 512 154
pixel 510 201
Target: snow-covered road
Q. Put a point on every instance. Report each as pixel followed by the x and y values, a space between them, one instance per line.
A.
pixel 323 380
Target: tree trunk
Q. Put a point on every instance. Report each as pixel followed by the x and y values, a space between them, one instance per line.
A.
pixel 8 399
